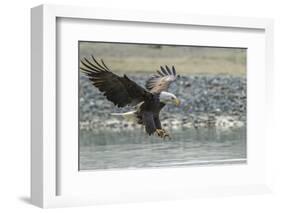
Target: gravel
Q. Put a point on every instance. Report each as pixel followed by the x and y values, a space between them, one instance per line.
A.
pixel 206 102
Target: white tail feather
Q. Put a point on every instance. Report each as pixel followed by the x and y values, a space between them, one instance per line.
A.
pixel 129 116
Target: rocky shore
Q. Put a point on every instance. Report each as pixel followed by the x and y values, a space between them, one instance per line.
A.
pixel 206 102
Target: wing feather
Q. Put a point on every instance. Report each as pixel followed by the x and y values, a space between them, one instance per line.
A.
pixel 168 69
pixel 122 91
pixel 160 73
pixel 164 71
pixel 162 80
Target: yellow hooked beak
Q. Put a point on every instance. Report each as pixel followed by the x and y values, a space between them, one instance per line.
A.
pixel 177 102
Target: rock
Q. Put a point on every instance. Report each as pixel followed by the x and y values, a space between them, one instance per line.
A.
pixel 206 101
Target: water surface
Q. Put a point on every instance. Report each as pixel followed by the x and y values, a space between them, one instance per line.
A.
pixel 134 149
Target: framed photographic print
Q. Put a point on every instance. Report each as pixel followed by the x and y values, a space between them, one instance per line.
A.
pixel 129 106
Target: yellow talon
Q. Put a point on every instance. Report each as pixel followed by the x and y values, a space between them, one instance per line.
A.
pixel 162 133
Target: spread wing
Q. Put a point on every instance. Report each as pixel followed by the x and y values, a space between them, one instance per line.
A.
pixel 162 80
pixel 122 91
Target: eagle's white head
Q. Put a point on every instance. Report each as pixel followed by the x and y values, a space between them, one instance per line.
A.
pixel 169 98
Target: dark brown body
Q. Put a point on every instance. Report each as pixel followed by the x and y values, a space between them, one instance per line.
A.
pixel 148 114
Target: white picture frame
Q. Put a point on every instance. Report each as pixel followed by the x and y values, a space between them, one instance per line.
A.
pixel 46 170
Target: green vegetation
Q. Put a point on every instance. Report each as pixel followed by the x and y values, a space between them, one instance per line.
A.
pixel 191 60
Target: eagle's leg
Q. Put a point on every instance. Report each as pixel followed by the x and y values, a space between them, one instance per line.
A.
pixel 159 130
pixel 162 133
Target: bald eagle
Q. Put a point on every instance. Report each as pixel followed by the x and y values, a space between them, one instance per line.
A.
pixel 123 91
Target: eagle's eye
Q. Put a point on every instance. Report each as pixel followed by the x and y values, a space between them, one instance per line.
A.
pixel 173 98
